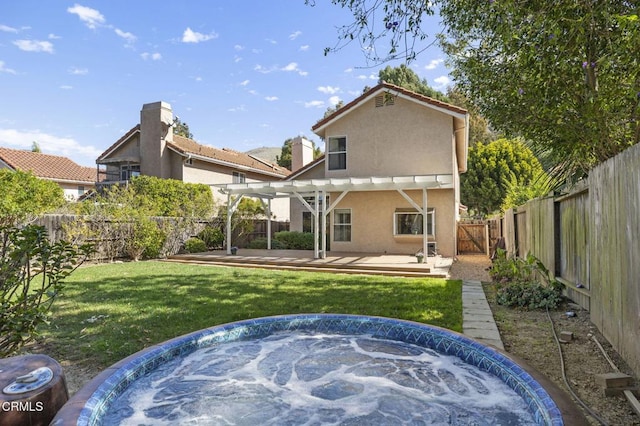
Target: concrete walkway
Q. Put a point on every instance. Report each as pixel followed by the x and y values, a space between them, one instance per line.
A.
pixel 477 319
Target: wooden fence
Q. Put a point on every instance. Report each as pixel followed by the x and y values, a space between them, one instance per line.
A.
pixel 473 237
pixel 589 239
pixel 56 224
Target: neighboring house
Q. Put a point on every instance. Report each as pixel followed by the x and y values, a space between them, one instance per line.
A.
pixel 389 181
pixel 74 179
pixel 150 148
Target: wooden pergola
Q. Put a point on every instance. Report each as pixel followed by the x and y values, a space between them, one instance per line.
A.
pixel 319 189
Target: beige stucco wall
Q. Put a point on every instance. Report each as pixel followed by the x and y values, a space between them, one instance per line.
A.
pixel 372 217
pixel 395 140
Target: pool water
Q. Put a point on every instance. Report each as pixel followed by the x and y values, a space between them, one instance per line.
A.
pixel 307 377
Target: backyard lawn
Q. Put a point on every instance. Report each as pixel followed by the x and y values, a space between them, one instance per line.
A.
pixel 107 312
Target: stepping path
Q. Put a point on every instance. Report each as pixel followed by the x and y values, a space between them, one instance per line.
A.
pixel 477 319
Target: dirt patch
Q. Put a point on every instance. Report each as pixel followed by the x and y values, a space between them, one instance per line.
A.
pixel 529 335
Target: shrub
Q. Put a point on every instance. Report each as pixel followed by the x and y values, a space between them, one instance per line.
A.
pixel 295 240
pixel 518 285
pixel 212 236
pixel 32 271
pixel 261 243
pixel 529 294
pixel 195 245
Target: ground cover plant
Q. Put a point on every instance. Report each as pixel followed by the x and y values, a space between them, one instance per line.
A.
pixel 110 311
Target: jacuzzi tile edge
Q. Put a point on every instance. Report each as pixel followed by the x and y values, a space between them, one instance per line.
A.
pixel 543 408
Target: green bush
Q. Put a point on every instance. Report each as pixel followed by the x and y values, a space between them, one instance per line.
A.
pixel 212 236
pixel 145 239
pixel 32 272
pixel 294 240
pixel 517 282
pixel 261 243
pixel 195 245
pixel 529 294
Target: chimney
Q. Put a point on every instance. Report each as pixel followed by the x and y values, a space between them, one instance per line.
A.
pixel 301 153
pixel 155 132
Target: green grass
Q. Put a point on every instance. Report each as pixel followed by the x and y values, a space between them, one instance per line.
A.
pixel 110 311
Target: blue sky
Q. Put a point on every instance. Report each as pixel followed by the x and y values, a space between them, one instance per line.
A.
pixel 242 74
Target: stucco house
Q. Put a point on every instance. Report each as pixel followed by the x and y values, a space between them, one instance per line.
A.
pixel 389 181
pixel 74 179
pixel 150 148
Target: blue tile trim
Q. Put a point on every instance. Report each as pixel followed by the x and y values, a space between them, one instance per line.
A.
pixel 541 406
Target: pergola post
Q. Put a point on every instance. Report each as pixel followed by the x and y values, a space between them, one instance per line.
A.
pixel 316 217
pixel 323 232
pixel 232 205
pixel 425 237
pixel 267 208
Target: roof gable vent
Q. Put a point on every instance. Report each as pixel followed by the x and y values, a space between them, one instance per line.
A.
pixel 385 99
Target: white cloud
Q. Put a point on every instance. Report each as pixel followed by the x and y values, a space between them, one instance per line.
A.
pixel 295 35
pixel 334 100
pixel 262 69
pixel 66 87
pixel 293 67
pixel 190 36
pixel 367 77
pixel 442 82
pixel 348 70
pixel 270 40
pixel 245 82
pixel 240 108
pixel 271 98
pixel 329 90
pixel 304 48
pixel 34 46
pixel 8 29
pixel 253 92
pixel 51 144
pixel 237 59
pixel 52 36
pixel 238 47
pixel 433 64
pixel 128 37
pixel 314 104
pixel 91 17
pixel 153 56
pixel 78 71
pixel 3 68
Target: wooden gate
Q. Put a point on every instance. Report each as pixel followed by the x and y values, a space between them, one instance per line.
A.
pixel 472 237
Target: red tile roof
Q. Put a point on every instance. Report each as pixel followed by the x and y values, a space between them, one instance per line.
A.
pixel 189 146
pixel 388 87
pixel 46 166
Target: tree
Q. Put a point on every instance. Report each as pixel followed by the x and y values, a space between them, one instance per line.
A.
pixel 284 159
pixel 182 129
pixel 479 130
pixel 405 77
pixel 35 147
pixel 491 169
pixel 564 76
pixel 395 23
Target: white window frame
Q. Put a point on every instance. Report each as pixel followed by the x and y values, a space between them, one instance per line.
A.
pixel 239 177
pixel 331 153
pixel 337 224
pixel 430 212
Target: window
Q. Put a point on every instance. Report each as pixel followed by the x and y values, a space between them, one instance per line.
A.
pixel 409 222
pixel 342 225
pixel 307 222
pixel 239 177
pixel 80 191
pixel 337 152
pixel 127 171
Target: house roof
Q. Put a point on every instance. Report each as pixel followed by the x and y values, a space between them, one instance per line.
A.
pixel 186 146
pixel 46 166
pixel 398 91
pixel 189 147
